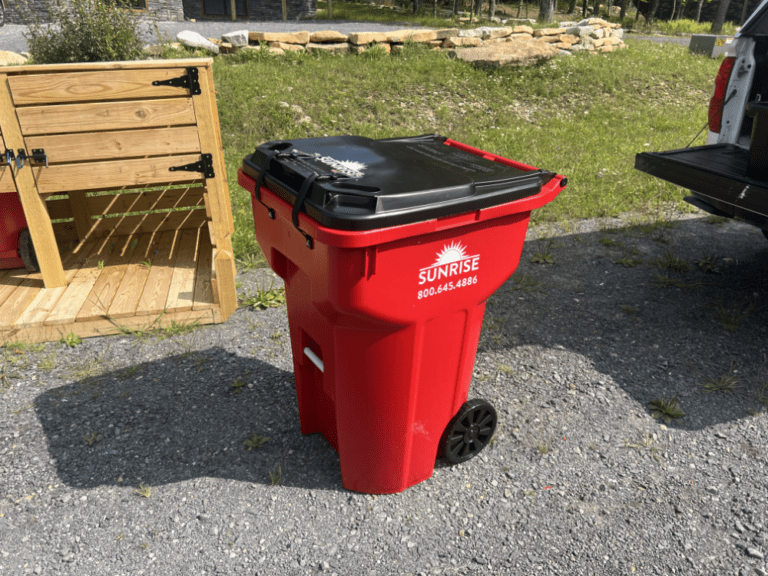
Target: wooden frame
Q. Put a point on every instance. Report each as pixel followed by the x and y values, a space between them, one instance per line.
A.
pixel 122 233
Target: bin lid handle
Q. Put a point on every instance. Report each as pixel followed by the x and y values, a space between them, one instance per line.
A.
pixel 299 202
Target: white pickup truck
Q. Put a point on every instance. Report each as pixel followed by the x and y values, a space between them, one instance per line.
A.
pixel 729 175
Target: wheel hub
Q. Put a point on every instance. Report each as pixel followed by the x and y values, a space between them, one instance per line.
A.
pixel 472 433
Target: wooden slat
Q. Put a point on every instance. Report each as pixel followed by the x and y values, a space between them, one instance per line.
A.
pixel 6 178
pixel 94 86
pixel 181 292
pixel 65 231
pixel 67 118
pixel 123 65
pixel 59 209
pixel 10 281
pixel 155 293
pixel 218 193
pixel 121 144
pixel 101 175
pixel 36 213
pixel 104 289
pixel 203 289
pixel 80 286
pixel 147 223
pixel 108 327
pixel 129 292
pixel 141 201
pixel 46 300
pixel 20 298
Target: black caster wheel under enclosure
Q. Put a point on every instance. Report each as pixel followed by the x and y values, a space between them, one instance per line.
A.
pixel 27 251
pixel 469 431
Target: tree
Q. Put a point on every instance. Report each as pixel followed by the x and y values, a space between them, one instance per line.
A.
pixel 491 9
pixel 652 12
pixel 722 10
pixel 623 13
pixel 546 10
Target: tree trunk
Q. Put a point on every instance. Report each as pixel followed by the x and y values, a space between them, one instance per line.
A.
pixel 546 11
pixel 478 8
pixel 674 7
pixel 596 9
pixel 519 7
pixel 491 9
pixel 722 10
pixel 623 12
pixel 416 5
pixel 572 7
pixel 652 12
pixel 744 12
pixel 455 7
pixel 698 11
pixel 330 9
pixel 584 9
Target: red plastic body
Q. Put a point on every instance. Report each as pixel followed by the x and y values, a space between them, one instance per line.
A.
pixel 12 221
pixel 394 315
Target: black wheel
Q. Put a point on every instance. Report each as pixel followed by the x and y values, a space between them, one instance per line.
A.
pixel 469 431
pixel 27 251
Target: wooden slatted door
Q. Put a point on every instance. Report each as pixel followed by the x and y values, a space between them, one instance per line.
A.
pixel 132 154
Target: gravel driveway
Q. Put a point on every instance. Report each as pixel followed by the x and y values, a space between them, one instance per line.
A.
pixel 581 479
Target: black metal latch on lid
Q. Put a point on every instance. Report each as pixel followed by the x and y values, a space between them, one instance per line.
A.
pixel 189 81
pixel 204 166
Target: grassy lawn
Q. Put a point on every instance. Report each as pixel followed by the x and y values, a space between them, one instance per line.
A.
pixel 585 116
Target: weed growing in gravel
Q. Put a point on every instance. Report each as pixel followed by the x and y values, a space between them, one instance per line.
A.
pixel 176 329
pixel 263 298
pixel 126 373
pixel 666 410
pixel 672 262
pixel 71 340
pixel 727 384
pixel 143 491
pixel 251 260
pixel 719 220
pixel 237 386
pixel 87 369
pixel 631 310
pixel 545 255
pixel 762 396
pixel 92 438
pixel 255 441
pixel 661 281
pixel 611 243
pixel 48 363
pixel 628 262
pixel 526 284
pixel 730 318
pixel 710 264
pixel 7 372
pixel 646 443
pixel 543 448
pixel 276 475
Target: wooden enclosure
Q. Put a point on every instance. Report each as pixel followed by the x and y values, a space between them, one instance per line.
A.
pixel 124 189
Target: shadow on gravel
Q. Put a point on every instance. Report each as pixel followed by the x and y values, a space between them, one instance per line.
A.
pixel 660 311
pixel 632 304
pixel 180 418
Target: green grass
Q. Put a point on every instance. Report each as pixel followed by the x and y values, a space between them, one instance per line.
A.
pixel 583 116
pixel 682 27
pixel 666 410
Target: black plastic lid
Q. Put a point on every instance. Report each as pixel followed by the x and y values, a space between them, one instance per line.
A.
pixel 364 184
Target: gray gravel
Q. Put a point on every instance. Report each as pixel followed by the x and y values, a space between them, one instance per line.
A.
pixel 581 479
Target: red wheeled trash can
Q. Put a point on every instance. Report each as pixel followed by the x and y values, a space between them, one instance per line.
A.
pixel 16 248
pixel 389 250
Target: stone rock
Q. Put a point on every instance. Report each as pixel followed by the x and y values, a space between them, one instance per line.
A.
pixel 361 38
pixel 520 53
pixel 237 38
pixel 216 41
pixel 599 42
pixel 568 24
pixel 618 33
pixel 446 33
pixel 598 33
pixel 563 45
pixel 598 22
pixel 515 37
pixel 286 37
pixel 469 34
pixel 487 33
pixel 549 39
pixel 548 32
pixel 580 30
pixel 327 36
pixel 7 58
pixel 329 47
pixel 434 43
pixel 569 38
pixel 522 30
pixel 363 48
pixel 494 41
pixel 402 36
pixel 607 48
pixel 276 51
pixel 287 47
pixel 195 40
pixel 461 42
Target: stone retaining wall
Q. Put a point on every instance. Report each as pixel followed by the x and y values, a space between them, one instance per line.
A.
pixel 592 34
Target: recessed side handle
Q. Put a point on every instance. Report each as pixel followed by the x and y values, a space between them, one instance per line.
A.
pixel 315 360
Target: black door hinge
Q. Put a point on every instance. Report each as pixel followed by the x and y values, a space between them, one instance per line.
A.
pixel 205 166
pixel 189 81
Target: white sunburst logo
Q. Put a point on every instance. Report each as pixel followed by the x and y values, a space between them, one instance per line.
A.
pixel 349 168
pixel 451 261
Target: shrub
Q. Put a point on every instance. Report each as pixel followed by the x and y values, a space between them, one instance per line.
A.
pixel 84 31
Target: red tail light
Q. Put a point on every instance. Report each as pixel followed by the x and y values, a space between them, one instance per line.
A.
pixel 718 98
